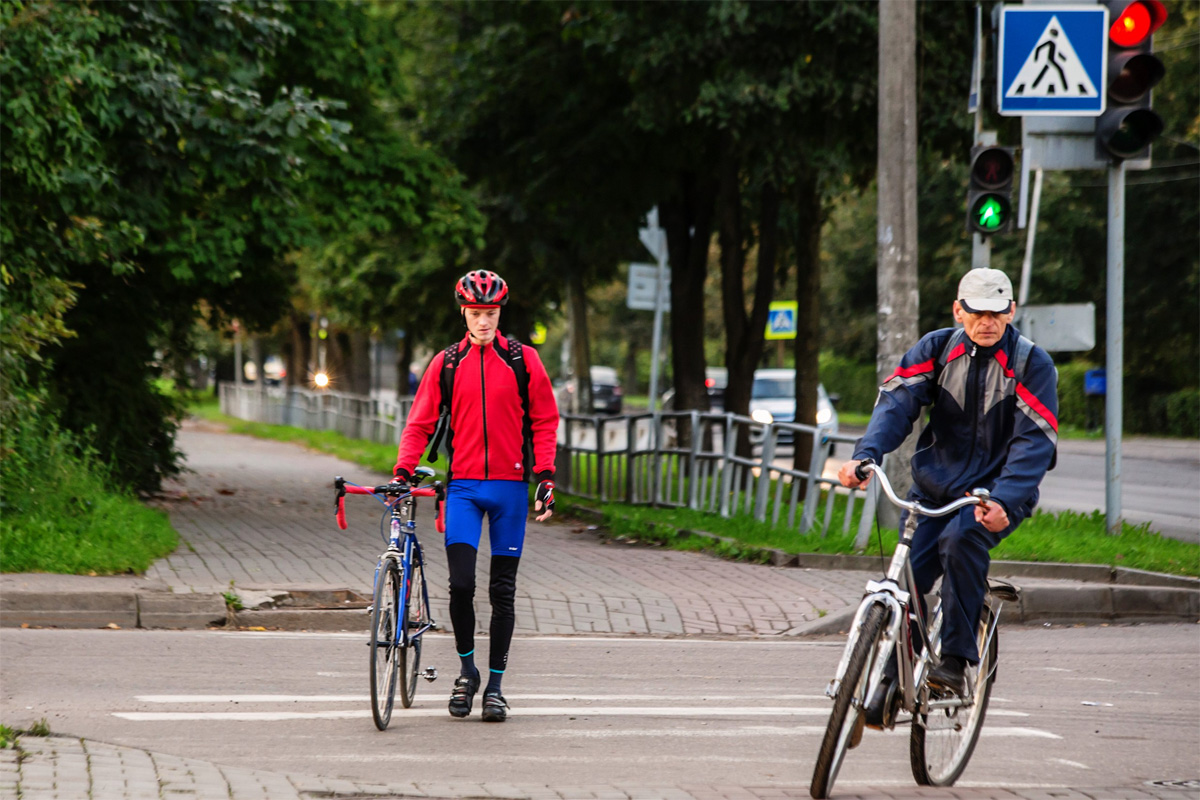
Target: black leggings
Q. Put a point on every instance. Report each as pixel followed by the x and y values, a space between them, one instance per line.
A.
pixel 502 592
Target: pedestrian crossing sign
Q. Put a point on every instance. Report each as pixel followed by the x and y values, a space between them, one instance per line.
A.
pixel 1052 60
pixel 781 319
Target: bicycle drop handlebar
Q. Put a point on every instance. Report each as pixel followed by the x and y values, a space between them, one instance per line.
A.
pixel 396 491
pixel 978 497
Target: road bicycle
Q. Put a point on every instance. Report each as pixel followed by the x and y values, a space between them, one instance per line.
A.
pixel 400 604
pixel 891 622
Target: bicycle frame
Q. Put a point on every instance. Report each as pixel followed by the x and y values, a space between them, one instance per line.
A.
pixel 895 592
pixel 403 545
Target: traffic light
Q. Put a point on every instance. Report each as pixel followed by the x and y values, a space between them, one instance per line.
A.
pixel 989 192
pixel 1128 125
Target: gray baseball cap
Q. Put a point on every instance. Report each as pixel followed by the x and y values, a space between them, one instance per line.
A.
pixel 985 289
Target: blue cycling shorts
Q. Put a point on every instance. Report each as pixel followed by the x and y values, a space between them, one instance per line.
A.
pixel 506 504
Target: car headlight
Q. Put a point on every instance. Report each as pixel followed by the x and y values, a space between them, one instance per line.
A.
pixel 763 416
pixel 824 415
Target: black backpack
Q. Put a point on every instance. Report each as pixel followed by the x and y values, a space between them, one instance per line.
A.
pixel 516 360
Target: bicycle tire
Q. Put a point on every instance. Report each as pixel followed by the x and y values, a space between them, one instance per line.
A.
pixel 383 642
pixel 416 613
pixel 942 741
pixel 845 715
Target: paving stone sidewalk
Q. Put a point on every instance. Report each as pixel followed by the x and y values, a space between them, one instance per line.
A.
pixel 258 515
pixel 68 768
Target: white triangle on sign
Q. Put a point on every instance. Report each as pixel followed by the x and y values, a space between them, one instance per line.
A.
pixel 1052 69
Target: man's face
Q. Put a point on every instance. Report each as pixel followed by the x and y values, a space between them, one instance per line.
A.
pixel 482 322
pixel 986 327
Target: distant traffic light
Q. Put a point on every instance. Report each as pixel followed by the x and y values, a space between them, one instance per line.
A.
pixel 989 192
pixel 1128 125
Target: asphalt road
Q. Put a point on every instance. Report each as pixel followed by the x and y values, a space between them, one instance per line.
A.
pixel 1094 706
pixel 1160 481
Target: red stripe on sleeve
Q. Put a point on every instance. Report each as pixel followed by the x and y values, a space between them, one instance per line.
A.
pixel 915 369
pixel 1031 399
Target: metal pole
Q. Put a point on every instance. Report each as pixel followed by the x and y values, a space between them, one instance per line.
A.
pixel 656 342
pixel 1030 236
pixel 1114 359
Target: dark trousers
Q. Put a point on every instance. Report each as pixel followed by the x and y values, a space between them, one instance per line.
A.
pixel 957 549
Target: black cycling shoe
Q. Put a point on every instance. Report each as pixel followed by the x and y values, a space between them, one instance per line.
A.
pixel 950 676
pixel 495 707
pixel 463 693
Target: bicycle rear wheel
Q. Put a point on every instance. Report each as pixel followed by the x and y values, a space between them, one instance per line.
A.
pixel 383 642
pixel 943 739
pixel 416 612
pixel 845 722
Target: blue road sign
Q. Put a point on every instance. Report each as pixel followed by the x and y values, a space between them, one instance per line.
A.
pixel 1052 60
pixel 781 319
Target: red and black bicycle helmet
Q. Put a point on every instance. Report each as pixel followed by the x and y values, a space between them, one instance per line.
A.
pixel 481 287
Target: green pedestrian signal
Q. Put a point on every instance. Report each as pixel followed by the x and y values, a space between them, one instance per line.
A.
pixel 990 213
pixel 989 192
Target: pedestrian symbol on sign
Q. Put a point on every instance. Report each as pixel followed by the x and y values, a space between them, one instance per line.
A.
pixel 781 319
pixel 1052 69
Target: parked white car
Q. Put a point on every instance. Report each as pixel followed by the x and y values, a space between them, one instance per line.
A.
pixel 773 399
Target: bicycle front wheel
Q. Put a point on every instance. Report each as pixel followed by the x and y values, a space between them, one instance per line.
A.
pixel 943 739
pixel 846 720
pixel 416 613
pixel 383 642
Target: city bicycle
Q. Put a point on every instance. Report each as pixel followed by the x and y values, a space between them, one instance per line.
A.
pixel 400 604
pixel 891 623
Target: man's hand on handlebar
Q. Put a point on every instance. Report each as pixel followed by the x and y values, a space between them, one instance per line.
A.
pixel 992 516
pixel 848 478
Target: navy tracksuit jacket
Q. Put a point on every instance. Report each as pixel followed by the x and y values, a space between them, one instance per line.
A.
pixel 988 429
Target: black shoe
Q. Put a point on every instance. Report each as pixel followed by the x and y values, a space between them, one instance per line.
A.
pixel 950 676
pixel 463 693
pixel 495 707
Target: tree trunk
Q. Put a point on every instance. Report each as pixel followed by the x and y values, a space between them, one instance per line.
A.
pixel 745 333
pixel 404 359
pixel 807 347
pixel 298 349
pixel 360 363
pixel 688 220
pixel 581 362
pixel 896 281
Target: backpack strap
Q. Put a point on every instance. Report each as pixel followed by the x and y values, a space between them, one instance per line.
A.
pixel 1024 348
pixel 952 341
pixel 449 368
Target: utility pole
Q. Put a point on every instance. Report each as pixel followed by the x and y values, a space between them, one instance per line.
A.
pixel 896 276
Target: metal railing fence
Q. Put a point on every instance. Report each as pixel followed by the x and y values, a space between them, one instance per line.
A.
pixel 685 459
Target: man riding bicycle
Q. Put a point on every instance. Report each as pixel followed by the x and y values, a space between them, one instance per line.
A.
pixel 993 405
pixel 489 399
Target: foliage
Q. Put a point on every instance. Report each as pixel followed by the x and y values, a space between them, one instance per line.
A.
pixel 57 513
pixel 143 171
pixel 8 737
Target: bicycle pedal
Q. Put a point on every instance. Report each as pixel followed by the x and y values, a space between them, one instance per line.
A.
pixel 429 674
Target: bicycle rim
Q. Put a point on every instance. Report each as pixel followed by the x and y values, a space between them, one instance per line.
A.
pixel 416 615
pixel 943 740
pixel 383 644
pixel 848 704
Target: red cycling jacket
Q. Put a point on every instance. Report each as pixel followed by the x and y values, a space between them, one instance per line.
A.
pixel 485 440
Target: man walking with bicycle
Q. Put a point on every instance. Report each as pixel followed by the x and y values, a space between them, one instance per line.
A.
pixel 490 401
pixel 992 397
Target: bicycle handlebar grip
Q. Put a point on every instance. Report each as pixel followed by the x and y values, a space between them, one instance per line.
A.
pixel 860 471
pixel 341 513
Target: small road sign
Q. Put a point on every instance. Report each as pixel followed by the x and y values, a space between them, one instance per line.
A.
pixel 1052 60
pixel 781 319
pixel 642 281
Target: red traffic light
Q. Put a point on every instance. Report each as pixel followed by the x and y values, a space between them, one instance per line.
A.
pixel 1137 22
pixel 992 168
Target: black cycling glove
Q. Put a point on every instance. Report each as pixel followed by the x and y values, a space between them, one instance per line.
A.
pixel 545 494
pixel 401 475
